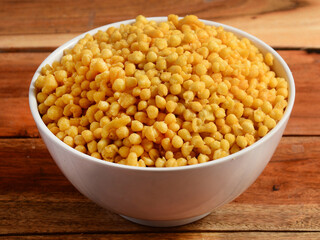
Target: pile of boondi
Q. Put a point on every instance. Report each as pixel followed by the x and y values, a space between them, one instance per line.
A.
pixel 163 94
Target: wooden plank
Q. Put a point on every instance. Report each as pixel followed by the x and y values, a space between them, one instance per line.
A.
pixel 177 236
pixel 26 166
pixel 306 112
pixel 32 42
pixel 280 26
pixel 35 23
pixel 17 70
pixel 36 198
pixel 30 216
pixel 16 118
pixel 292 176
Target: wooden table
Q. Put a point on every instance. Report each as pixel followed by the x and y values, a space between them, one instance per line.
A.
pixel 36 200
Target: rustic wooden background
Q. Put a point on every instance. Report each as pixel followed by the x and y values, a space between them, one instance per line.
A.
pixel 36 200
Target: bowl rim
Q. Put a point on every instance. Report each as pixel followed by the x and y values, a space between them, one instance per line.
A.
pixel 82 156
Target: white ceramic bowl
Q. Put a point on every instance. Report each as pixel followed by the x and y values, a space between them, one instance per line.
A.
pixel 166 196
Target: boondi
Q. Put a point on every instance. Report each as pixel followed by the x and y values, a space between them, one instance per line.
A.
pixel 162 94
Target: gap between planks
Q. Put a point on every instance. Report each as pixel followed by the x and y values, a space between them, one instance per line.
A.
pixel 169 235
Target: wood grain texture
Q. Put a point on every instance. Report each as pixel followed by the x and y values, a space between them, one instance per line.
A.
pixel 36 198
pixel 306 111
pixel 37 215
pixel 38 202
pixel 35 23
pixel 177 236
pixel 17 70
pixel 16 118
pixel 292 176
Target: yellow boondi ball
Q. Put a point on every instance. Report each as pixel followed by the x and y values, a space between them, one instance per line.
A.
pixel 165 94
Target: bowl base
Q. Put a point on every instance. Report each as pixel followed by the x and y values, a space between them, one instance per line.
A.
pixel 165 223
